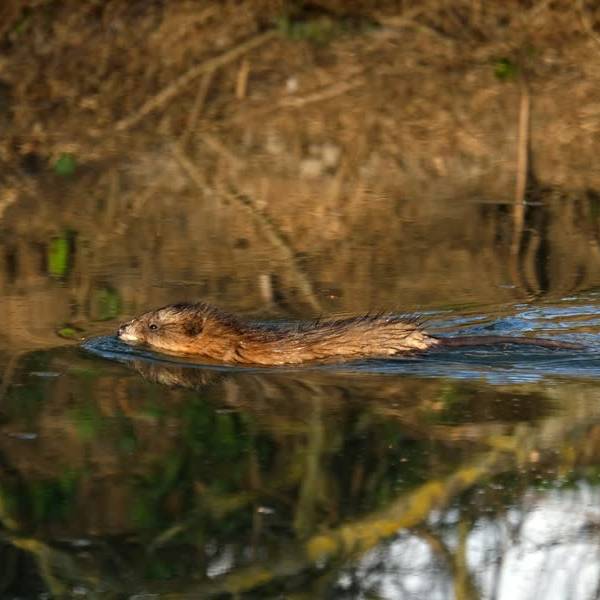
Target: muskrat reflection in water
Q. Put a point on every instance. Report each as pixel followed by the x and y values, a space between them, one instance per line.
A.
pixel 203 331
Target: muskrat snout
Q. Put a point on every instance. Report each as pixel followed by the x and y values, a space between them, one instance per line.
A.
pixel 126 332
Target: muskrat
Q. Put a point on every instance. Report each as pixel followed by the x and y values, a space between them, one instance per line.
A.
pixel 202 331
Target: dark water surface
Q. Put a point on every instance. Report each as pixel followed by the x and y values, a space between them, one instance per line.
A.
pixel 471 473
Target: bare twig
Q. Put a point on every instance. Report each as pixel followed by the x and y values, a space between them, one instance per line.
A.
pixel 519 207
pixel 197 107
pixel 188 166
pixel 217 146
pixel 241 82
pixel 408 20
pixel 331 91
pixel 523 144
pixel 176 87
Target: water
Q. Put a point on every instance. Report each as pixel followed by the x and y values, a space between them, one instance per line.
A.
pixel 471 472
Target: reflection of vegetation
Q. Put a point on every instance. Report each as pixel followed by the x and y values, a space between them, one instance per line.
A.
pixel 87 421
pixel 27 402
pixel 106 304
pixel 204 472
pixel 51 500
pixel 384 460
pixel 458 401
pixel 254 477
pixel 23 402
pixel 40 502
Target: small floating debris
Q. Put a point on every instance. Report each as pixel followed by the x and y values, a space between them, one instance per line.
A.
pixel 265 510
pixel 24 435
pixel 44 374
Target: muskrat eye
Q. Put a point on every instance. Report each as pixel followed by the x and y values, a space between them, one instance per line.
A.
pixel 153 326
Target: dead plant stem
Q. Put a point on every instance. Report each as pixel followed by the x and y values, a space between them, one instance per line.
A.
pixel 168 93
pixel 197 107
pixel 523 144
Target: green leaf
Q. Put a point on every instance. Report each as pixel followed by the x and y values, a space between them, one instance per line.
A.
pixel 58 256
pixel 69 333
pixel 65 165
pixel 505 69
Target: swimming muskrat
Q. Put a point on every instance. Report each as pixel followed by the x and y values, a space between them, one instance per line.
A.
pixel 202 331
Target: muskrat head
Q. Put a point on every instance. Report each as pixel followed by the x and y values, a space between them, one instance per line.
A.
pixel 181 329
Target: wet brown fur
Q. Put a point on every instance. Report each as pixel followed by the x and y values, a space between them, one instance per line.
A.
pixel 203 331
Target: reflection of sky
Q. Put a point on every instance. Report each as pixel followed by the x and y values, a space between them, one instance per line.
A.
pixel 548 549
pixel 556 556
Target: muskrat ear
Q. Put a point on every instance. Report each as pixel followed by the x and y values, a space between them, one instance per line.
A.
pixel 193 328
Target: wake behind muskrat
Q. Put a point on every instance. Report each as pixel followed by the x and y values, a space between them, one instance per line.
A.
pixel 204 332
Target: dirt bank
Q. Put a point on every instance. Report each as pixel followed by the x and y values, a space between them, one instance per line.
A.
pixel 430 94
